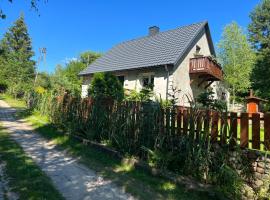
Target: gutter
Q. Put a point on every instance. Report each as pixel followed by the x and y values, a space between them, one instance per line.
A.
pixel 167 84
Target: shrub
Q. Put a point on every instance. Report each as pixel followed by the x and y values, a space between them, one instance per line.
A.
pixel 106 85
pixel 3 87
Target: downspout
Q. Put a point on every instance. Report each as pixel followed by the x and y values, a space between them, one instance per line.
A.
pixel 167 85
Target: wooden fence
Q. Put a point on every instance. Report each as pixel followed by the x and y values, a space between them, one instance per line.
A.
pixel 247 130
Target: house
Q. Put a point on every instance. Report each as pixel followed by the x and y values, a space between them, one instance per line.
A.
pixel 180 59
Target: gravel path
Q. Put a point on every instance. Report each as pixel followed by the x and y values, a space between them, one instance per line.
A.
pixel 72 179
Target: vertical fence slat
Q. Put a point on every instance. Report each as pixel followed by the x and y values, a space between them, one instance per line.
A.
pixel 173 110
pixel 267 131
pixel 179 120
pixel 233 128
pixel 168 127
pixel 256 131
pixel 244 126
pixel 185 121
pixel 214 127
pixel 199 126
pixel 206 124
pixel 223 128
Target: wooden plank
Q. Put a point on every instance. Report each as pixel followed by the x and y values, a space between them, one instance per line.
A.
pixel 267 131
pixel 223 128
pixel 214 127
pixel 256 131
pixel 168 115
pixel 199 125
pixel 179 121
pixel 244 126
pixel 206 124
pixel 185 121
pixel 233 128
pixel 173 114
pixel 161 121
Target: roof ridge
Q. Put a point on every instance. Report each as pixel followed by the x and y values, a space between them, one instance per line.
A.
pixel 162 32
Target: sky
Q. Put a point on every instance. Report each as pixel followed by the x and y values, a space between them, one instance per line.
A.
pixel 66 28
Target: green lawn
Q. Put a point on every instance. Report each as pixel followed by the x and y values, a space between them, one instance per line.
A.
pixel 25 177
pixel 137 182
pixel 15 103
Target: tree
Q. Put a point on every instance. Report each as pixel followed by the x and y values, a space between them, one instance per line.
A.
pixel 237 59
pixel 88 57
pixel 259 36
pixel 106 85
pixel 33 4
pixel 66 78
pixel 16 56
pixel 43 80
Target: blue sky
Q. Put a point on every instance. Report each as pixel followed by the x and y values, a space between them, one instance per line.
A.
pixel 67 27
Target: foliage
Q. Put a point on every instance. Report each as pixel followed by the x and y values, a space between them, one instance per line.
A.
pixel 43 80
pixel 17 66
pixel 33 4
pixel 88 57
pixel 144 95
pixel 259 36
pixel 237 59
pixel 65 78
pixel 207 100
pixel 106 85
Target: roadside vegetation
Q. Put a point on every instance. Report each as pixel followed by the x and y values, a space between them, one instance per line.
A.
pixel 24 177
pixel 138 182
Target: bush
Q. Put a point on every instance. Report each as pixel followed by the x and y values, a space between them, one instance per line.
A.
pixel 3 87
pixel 106 85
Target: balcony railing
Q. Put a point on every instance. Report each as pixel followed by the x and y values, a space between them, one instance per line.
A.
pixel 206 67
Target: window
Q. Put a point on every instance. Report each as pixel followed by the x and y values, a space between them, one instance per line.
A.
pixel 148 81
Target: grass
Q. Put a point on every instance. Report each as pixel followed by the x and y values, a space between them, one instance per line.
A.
pixel 15 103
pixel 137 182
pixel 25 178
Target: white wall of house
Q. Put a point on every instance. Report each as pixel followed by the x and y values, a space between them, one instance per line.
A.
pixel 85 85
pixel 181 77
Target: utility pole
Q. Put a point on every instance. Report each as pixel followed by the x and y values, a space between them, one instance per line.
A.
pixel 42 57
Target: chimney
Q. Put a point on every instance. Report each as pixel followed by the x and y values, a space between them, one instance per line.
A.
pixel 153 30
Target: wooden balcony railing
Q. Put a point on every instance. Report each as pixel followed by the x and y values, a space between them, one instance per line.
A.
pixel 206 67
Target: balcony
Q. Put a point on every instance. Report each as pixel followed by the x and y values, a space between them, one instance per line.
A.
pixel 205 68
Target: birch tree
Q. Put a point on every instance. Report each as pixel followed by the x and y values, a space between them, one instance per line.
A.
pixel 237 58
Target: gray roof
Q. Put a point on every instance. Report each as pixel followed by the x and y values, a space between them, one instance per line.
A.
pixel 163 48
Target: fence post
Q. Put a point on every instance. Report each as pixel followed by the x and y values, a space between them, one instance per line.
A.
pixel 267 131
pixel 244 126
pixel 214 127
pixel 256 131
pixel 233 131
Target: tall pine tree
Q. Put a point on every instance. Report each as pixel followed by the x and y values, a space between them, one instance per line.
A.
pixel 17 66
pixel 259 36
